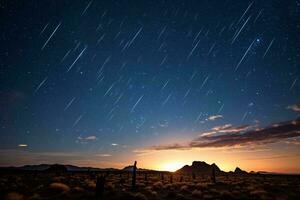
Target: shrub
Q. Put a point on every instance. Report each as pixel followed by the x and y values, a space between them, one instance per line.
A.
pixel 14 196
pixel 90 184
pixel 60 186
pixel 78 189
pixel 197 193
pixel 168 186
pixel 140 196
pixel 157 186
pixel 184 189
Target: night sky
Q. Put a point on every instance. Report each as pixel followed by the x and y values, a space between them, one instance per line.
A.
pixel 102 83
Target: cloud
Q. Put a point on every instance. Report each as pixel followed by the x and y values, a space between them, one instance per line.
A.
pixel 214 117
pixel 22 145
pixel 104 155
pixel 274 157
pixel 294 141
pixel 114 144
pixel 229 136
pixel 227 128
pixel 91 138
pixel 294 108
pixel 87 139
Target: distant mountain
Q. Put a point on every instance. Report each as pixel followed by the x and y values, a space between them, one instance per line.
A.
pixel 130 169
pixel 199 167
pixel 52 167
pixel 40 167
pixel 57 168
pixel 238 171
pixel 76 168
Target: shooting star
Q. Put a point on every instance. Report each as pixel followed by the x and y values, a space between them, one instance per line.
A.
pixel 51 36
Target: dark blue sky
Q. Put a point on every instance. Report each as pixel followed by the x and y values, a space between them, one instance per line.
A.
pixel 83 75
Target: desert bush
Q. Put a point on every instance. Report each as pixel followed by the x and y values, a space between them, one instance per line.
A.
pixel 184 189
pixel 261 194
pixel 140 196
pixel 197 193
pixel 154 194
pixel 208 196
pixel 181 197
pixel 110 186
pixel 78 189
pixel 157 186
pixel 171 194
pixel 14 196
pixel 35 197
pixel 90 184
pixel 60 187
pixel 201 186
pixel 140 185
pixel 168 186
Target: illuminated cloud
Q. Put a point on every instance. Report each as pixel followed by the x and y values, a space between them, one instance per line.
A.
pixel 294 141
pixel 294 107
pixel 227 128
pixel 240 136
pixel 104 155
pixel 214 117
pixel 22 145
pixel 114 144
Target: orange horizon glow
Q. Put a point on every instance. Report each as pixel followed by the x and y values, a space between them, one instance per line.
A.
pixel 267 158
pixel 226 159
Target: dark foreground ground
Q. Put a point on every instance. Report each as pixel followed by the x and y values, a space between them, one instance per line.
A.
pixel 41 185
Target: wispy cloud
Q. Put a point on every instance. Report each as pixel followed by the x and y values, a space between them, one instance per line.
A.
pixel 214 117
pixel 294 108
pixel 104 155
pixel 227 128
pixel 86 139
pixel 91 138
pixel 229 136
pixel 274 157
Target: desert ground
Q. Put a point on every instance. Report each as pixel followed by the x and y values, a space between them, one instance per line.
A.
pixel 149 185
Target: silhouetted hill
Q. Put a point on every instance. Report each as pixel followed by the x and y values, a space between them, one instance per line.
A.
pixel 56 167
pixel 199 167
pixel 40 167
pixel 130 169
pixel 238 171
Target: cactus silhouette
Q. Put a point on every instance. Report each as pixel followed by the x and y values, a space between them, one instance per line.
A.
pixel 100 186
pixel 194 176
pixel 213 175
pixel 133 185
pixel 171 178
pixel 146 177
